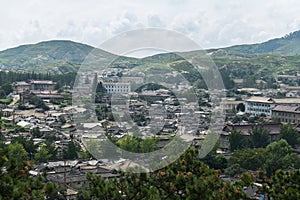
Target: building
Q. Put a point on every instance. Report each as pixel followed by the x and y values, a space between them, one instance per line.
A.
pixel 286 114
pixel 117 87
pixel 41 85
pixel 33 85
pixel 20 87
pixel 259 105
pixel 245 129
pixel 264 105
pixel 231 104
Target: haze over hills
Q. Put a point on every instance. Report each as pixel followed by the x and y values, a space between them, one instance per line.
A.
pixel 60 56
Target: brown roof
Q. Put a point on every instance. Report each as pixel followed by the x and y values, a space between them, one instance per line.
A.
pixel 281 108
pixel 246 128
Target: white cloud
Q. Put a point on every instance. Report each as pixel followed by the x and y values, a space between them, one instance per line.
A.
pixel 212 23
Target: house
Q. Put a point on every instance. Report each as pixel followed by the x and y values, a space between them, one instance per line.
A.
pixel 286 114
pixel 33 85
pixel 231 104
pixel 42 85
pixel 7 112
pixel 245 129
pixel 20 87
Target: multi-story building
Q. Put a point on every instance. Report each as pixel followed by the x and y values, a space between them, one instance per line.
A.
pixel 20 87
pixel 259 105
pixel 286 114
pixel 264 105
pixel 42 85
pixel 117 87
pixel 33 85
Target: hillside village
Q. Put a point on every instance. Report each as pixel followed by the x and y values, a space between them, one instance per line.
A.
pixel 43 114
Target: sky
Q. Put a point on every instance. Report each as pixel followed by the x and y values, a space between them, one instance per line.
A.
pixel 211 23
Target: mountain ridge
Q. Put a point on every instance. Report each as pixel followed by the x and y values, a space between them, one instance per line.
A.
pixel 61 56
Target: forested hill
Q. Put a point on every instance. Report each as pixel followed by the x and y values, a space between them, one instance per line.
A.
pixel 287 45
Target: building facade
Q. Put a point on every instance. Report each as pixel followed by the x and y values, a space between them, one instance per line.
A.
pixel 116 87
pixel 264 105
pixel 33 85
pixel 286 114
pixel 259 105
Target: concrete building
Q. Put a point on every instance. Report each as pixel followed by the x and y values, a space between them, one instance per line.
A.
pixel 259 105
pixel 264 105
pixel 33 85
pixel 41 85
pixel 286 114
pixel 117 87
pixel 20 87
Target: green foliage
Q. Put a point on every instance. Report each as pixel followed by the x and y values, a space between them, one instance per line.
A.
pixel 277 155
pixel 38 102
pixel 259 137
pixel 285 185
pixel 290 134
pixel 186 178
pixel 42 155
pixel 280 156
pixel 71 151
pixel 15 181
pixel 16 151
pixel 250 159
pixel 237 140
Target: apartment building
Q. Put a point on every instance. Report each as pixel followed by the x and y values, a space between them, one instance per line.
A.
pixel 117 87
pixel 286 114
pixel 265 105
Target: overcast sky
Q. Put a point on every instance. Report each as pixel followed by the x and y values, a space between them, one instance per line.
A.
pixel 211 23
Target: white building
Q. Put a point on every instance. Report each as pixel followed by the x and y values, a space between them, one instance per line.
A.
pixel 259 105
pixel 264 105
pixel 117 87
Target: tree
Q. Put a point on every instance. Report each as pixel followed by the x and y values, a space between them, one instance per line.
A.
pixel 290 134
pixel 237 140
pixel 7 88
pixel 250 159
pixel 129 143
pixel 71 151
pixel 38 102
pixel 186 178
pixel 16 151
pixel 15 181
pixel 285 185
pixel 259 137
pixel 148 145
pixel 280 156
pixel 42 155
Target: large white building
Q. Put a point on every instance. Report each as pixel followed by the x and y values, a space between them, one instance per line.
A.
pixel 264 105
pixel 117 87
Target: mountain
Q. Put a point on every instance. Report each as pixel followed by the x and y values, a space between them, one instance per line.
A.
pixel 287 45
pixel 56 56
pixel 59 56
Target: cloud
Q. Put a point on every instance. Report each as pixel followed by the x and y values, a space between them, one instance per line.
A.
pixel 210 23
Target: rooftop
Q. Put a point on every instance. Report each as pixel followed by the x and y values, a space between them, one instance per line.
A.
pixel 281 108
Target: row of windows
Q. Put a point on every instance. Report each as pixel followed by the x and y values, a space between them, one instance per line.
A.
pixel 291 121
pixel 260 104
pixel 285 114
pixel 259 110
pixel 118 90
pixel 116 86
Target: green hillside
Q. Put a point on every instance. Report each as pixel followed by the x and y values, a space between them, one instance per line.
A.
pixel 287 45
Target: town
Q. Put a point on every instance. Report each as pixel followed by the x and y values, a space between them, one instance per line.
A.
pixel 41 116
